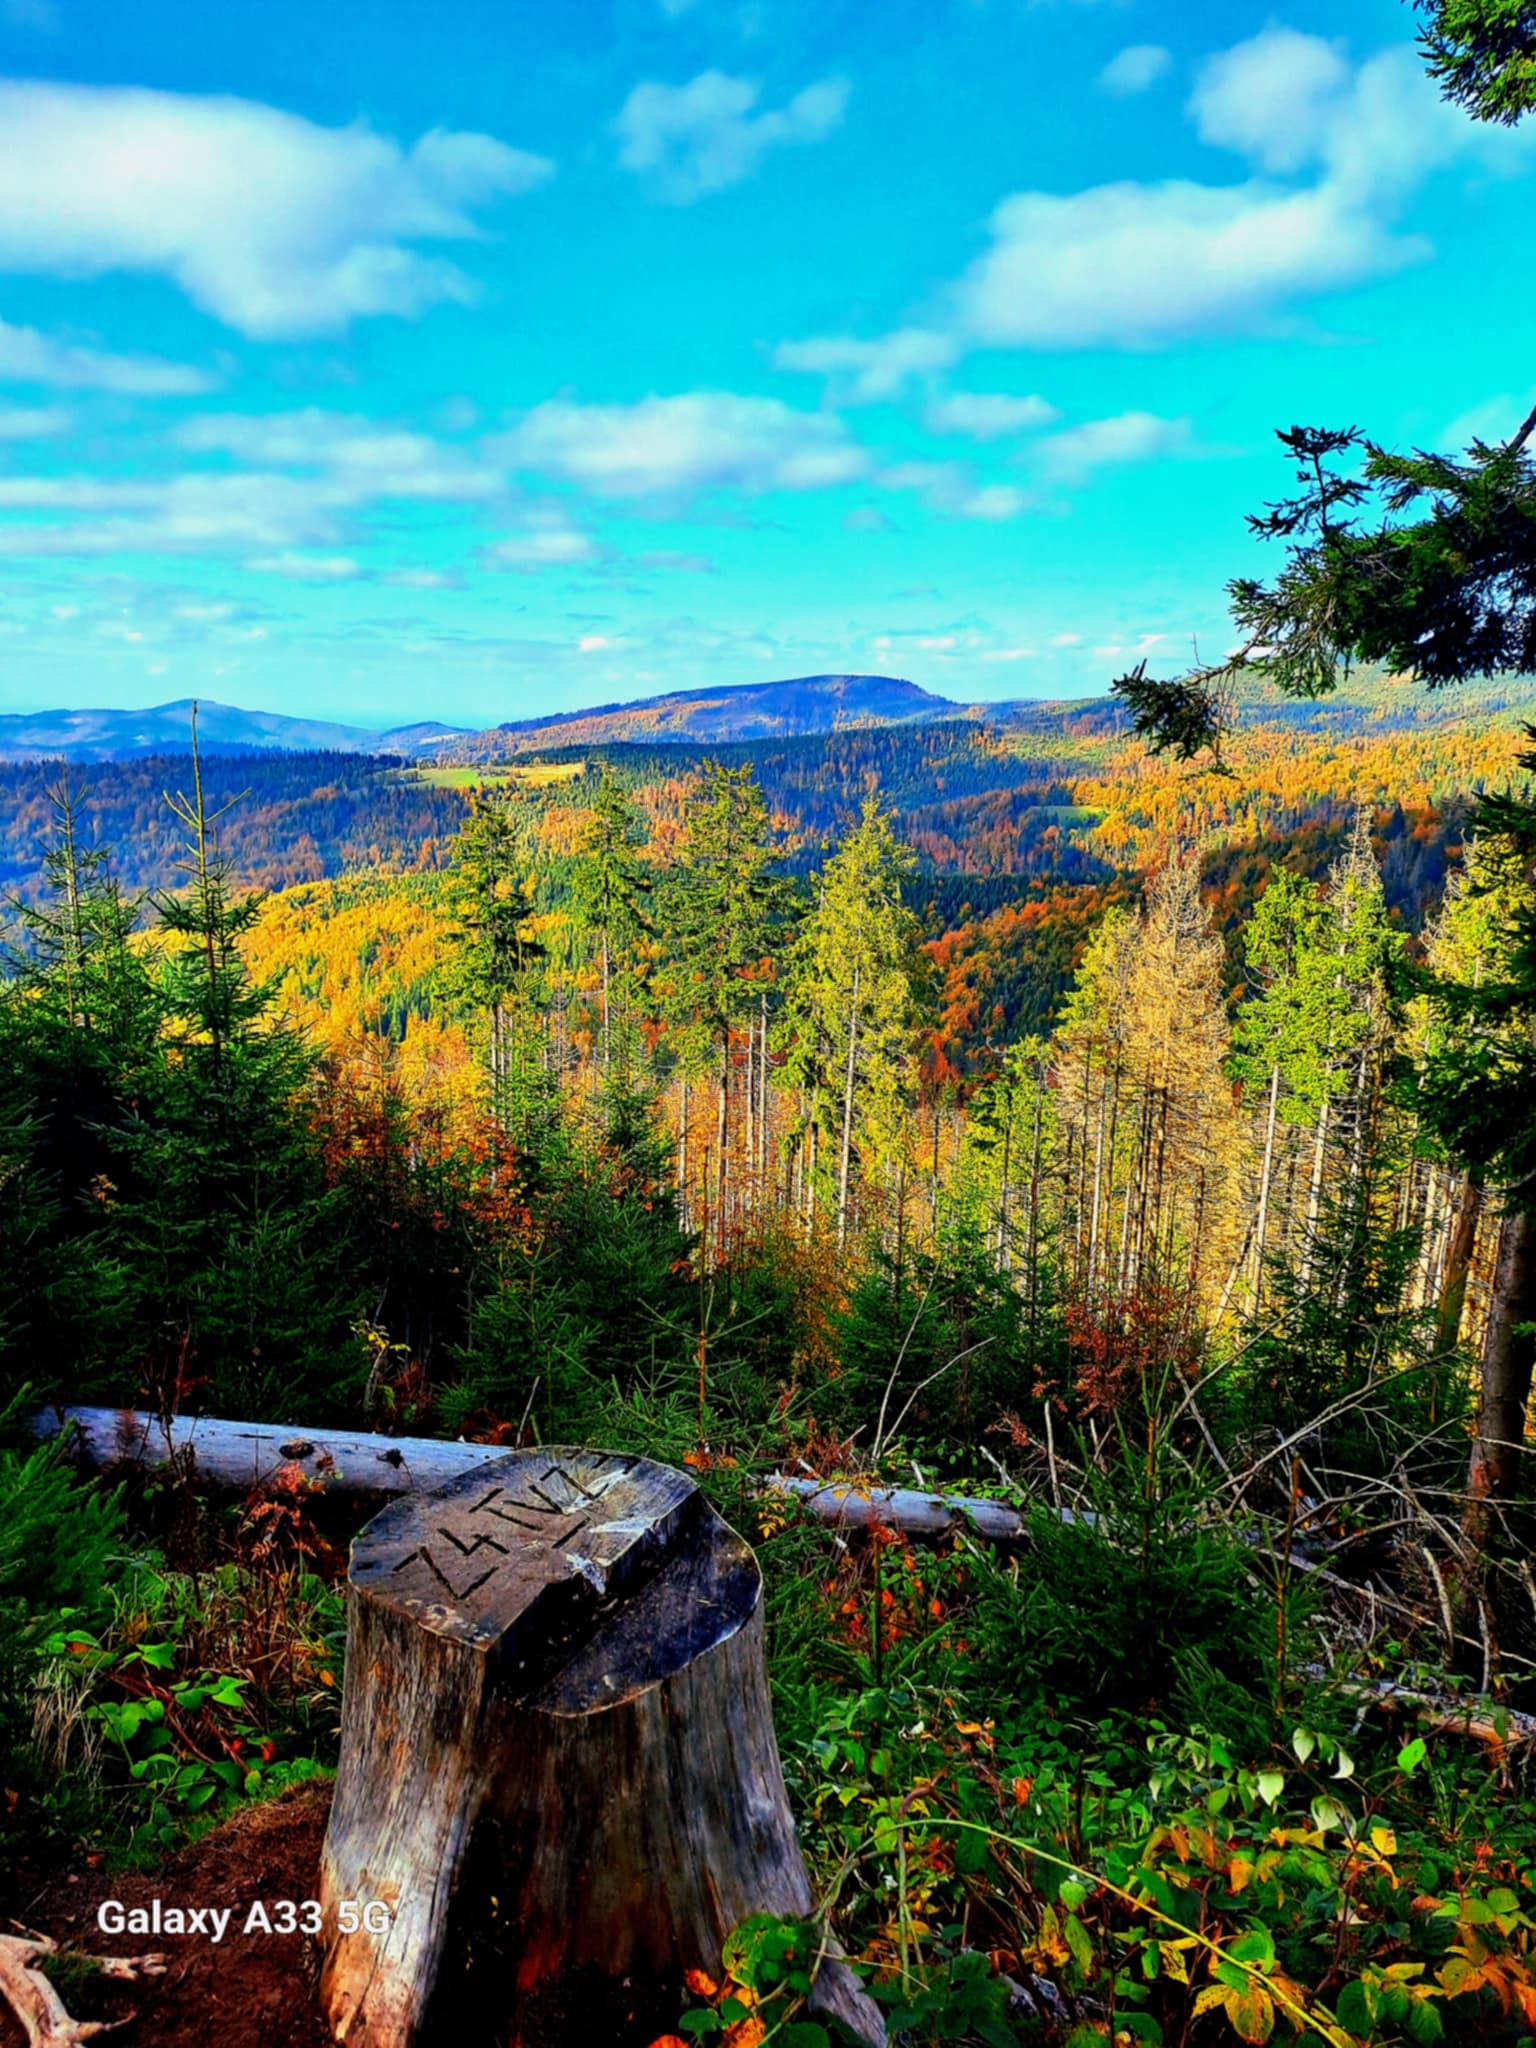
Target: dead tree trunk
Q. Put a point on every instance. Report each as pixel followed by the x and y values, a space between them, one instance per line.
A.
pixel 558 1769
pixel 224 1456
pixel 1504 1393
pixel 1458 1264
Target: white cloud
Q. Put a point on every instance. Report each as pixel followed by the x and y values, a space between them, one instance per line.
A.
pixel 1336 152
pixel 181 514
pixel 30 422
pixel 1100 444
pixel 365 457
pixel 987 415
pixel 27 357
pixel 869 370
pixel 696 138
pixel 673 447
pixel 307 568
pixel 1273 98
pixel 993 502
pixel 310 475
pixel 1132 265
pixel 554 545
pixel 422 579
pixel 272 224
pixel 1135 69
pixel 950 489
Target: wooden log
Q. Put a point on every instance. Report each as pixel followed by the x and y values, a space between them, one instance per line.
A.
pixel 239 1455
pixel 854 1504
pixel 558 1772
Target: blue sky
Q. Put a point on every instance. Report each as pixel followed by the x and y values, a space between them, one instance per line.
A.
pixel 470 360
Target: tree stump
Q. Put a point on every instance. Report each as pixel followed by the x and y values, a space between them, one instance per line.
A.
pixel 558 1771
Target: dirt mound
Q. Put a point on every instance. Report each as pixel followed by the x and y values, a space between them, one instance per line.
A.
pixel 250 1990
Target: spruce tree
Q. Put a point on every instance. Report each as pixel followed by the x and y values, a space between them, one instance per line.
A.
pixel 724 905
pixel 492 963
pixel 241 1294
pixel 80 1045
pixel 609 891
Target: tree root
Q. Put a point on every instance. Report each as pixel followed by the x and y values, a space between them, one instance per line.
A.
pixel 29 1994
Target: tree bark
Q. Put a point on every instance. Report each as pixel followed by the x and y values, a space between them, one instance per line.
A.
pixel 847 1144
pixel 1458 1265
pixel 558 1772
pixel 1266 1174
pixel 1315 1195
pixel 1509 1355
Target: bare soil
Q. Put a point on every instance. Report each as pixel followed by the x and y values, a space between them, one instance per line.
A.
pixel 249 1991
pixel 258 1990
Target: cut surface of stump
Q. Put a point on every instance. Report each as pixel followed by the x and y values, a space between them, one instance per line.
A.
pixel 558 1775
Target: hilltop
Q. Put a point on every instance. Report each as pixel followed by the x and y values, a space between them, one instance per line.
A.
pixel 107 735
pixel 732 713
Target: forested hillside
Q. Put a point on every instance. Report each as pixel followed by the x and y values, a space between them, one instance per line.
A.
pixel 652 1118
pixel 290 817
pixel 1020 842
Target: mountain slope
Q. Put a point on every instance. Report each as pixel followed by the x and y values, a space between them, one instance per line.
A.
pixel 734 711
pixel 221 729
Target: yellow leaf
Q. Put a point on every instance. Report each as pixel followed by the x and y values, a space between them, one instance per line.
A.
pixel 1383 1841
pixel 1239 1870
pixel 1252 2012
pixel 1173 1962
pixel 1213 1994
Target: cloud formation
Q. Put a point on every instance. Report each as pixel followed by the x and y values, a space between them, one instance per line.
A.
pixel 686 140
pixel 869 370
pixel 290 482
pixel 31 422
pixel 1335 152
pixel 548 543
pixel 1138 265
pixel 988 415
pixel 28 357
pixel 1099 444
pixel 299 568
pixel 672 448
pixel 362 457
pixel 274 225
pixel 1135 69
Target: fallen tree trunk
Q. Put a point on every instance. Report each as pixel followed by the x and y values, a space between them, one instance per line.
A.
pixel 236 1456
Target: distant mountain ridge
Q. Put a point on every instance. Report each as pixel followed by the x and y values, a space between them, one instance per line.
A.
pixel 731 711
pixel 791 707
pixel 105 735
